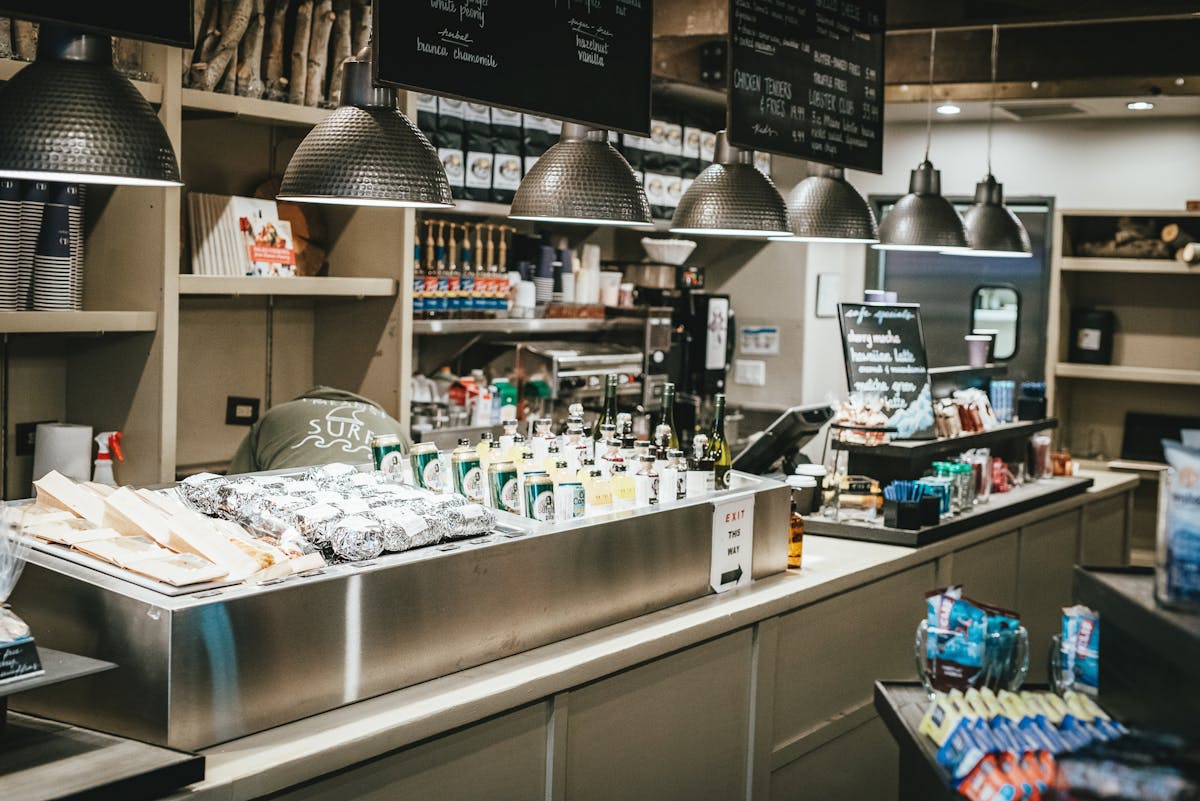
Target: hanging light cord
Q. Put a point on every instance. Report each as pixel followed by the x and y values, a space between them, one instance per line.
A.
pixel 992 105
pixel 929 103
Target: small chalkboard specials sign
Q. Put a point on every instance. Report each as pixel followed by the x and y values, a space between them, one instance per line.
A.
pixel 165 21
pixel 585 61
pixel 806 79
pixel 885 358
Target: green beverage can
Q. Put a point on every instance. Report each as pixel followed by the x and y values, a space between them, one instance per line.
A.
pixel 427 466
pixel 468 477
pixel 388 455
pixel 539 496
pixel 503 490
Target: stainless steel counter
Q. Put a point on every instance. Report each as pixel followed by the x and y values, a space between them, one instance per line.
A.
pixel 271 760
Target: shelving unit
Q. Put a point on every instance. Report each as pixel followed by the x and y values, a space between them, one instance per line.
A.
pixel 1142 375
pixel 1133 266
pixel 300 286
pixel 268 112
pixel 1156 344
pixel 524 326
pixel 153 92
pixel 77 322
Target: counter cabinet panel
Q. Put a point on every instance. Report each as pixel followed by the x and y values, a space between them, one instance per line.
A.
pixel 675 729
pixel 1047 557
pixel 831 653
pixel 988 571
pixel 860 764
pixel 1103 533
pixel 502 759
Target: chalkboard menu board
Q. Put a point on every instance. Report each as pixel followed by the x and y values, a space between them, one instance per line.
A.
pixel 165 21
pixel 585 61
pixel 885 358
pixel 806 79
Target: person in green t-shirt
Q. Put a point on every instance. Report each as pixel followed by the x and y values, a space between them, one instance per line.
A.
pixel 321 426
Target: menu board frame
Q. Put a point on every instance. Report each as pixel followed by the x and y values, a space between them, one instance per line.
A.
pixel 922 428
pixel 775 102
pixel 144 20
pixel 548 77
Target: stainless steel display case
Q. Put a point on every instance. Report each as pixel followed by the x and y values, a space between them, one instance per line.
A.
pixel 206 667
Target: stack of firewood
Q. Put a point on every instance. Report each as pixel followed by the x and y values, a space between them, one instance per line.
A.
pixel 241 47
pixel 18 39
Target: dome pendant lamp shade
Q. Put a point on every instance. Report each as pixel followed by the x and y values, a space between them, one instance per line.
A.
pixel 582 180
pixel 992 229
pixel 731 197
pixel 366 153
pixel 70 116
pixel 923 220
pixel 826 208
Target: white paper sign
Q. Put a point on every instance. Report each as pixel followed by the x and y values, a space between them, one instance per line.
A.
pixel 718 332
pixel 732 543
pixel 759 340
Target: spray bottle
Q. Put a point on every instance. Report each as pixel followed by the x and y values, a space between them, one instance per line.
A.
pixel 108 445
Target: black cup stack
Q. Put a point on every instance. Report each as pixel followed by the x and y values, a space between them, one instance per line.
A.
pixel 41 246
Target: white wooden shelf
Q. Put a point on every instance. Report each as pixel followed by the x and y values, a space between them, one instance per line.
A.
pixel 297 286
pixel 76 322
pixel 1112 372
pixel 520 325
pixel 1142 266
pixel 482 208
pixel 11 66
pixel 252 109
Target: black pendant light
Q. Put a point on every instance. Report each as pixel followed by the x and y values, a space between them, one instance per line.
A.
pixel 582 180
pixel 71 117
pixel 366 153
pixel 826 208
pixel 923 220
pixel 731 197
pixel 992 229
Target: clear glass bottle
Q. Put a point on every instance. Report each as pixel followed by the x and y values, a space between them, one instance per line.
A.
pixel 646 483
pixel 624 491
pixel 700 478
pixel 484 449
pixel 598 497
pixel 672 484
pixel 612 453
pixel 507 436
pixel 587 466
pixel 795 526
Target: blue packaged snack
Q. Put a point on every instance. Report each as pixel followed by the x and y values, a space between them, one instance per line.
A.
pixel 955 638
pixel 1080 649
pixel 1178 574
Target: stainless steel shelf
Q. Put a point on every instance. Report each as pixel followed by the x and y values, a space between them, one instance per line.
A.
pixel 516 325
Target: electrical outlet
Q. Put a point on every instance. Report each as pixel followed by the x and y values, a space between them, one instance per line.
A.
pixel 241 411
pixel 750 372
pixel 26 436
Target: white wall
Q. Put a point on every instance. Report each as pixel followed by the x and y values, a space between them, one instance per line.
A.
pixel 1139 163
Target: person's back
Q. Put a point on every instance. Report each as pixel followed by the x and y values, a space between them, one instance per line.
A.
pixel 321 426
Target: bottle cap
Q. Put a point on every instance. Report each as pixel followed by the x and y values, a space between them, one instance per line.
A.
pixel 802 482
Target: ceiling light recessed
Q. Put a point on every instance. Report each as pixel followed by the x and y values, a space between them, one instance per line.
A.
pixel 1139 105
pixel 948 109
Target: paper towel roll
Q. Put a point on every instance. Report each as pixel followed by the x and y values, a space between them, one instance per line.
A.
pixel 64 447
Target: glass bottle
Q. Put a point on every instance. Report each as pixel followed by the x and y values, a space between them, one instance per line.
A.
pixel 612 453
pixel 552 458
pixel 795 533
pixel 507 436
pixel 700 479
pixel 628 440
pixel 646 483
pixel 586 468
pixel 624 491
pixel 538 441
pixel 668 416
pixel 484 449
pixel 608 415
pixel 718 447
pixel 598 494
pixel 672 483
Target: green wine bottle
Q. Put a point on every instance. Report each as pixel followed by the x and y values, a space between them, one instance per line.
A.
pixel 608 416
pixel 668 418
pixel 718 447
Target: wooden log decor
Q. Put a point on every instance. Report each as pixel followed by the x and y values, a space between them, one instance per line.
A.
pixel 303 31
pixel 318 53
pixel 199 11
pixel 361 34
pixel 6 48
pixel 249 73
pixel 24 38
pixel 341 44
pixel 276 81
pixel 1176 237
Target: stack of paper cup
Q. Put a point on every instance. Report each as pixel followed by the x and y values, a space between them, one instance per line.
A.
pixel 75 221
pixel 10 245
pixel 64 447
pixel 34 195
pixel 52 262
pixel 610 288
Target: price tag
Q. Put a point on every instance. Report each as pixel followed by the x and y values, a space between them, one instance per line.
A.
pixel 732 543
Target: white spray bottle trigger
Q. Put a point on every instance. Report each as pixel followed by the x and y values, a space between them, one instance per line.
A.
pixel 108 445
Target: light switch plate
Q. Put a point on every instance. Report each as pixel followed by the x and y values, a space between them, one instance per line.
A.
pixel 241 411
pixel 750 372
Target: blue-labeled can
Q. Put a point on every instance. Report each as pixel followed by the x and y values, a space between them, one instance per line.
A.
pixel 539 496
pixel 569 500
